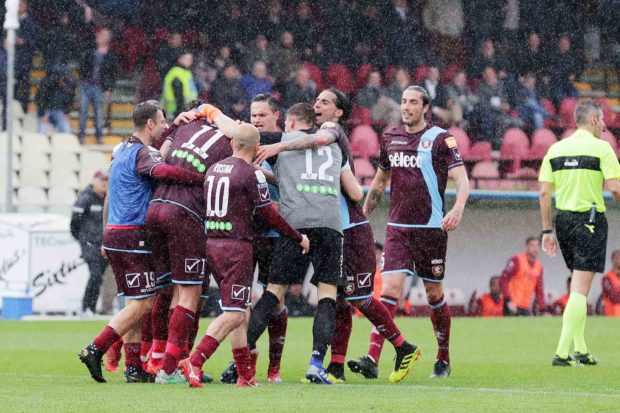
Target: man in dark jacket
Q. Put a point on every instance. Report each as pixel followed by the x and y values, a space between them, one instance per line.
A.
pixel 98 68
pixel 55 99
pixel 87 229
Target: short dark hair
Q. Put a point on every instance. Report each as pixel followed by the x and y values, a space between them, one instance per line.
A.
pixel 495 277
pixel 426 100
pixel 342 102
pixel 304 112
pixel 269 99
pixel 530 239
pixel 144 111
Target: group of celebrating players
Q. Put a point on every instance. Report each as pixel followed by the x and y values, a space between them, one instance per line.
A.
pixel 198 198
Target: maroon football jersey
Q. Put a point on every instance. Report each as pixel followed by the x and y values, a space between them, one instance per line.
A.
pixel 233 190
pixel 419 165
pixel 195 146
pixel 356 214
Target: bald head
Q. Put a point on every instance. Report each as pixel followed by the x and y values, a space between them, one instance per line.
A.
pixel 246 138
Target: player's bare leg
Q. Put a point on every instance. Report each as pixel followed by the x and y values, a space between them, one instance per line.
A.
pixel 181 324
pixel 216 333
pixel 122 323
pixel 441 319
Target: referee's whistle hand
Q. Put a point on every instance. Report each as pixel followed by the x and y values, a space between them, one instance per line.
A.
pixel 550 245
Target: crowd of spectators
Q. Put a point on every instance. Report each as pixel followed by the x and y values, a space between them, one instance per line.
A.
pixel 488 65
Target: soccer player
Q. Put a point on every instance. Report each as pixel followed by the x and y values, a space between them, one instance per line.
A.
pixel 332 107
pixel 418 158
pixel 522 278
pixel 234 191
pixel 611 287
pixel 576 168
pixel 175 226
pixel 135 167
pixel 490 304
pixel 264 115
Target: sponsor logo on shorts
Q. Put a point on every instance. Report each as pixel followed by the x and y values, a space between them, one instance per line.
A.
pixel 238 292
pixel 350 288
pixel 437 261
pixel 192 265
pixel 364 280
pixel 133 280
pixel 437 270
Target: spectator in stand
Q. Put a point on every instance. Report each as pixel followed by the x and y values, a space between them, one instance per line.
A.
pixel 558 306
pixel 523 278
pixel 63 38
pixel 256 83
pixel 228 94
pixel 528 103
pixel 233 28
pixel 55 99
pixel 532 59
pixel 372 27
pixel 437 93
pixel 87 228
pixel 490 304
pixel 25 40
pixel 403 35
pixel 297 304
pixel 611 287
pixel 486 57
pixel 564 66
pixel 261 51
pixel 285 58
pixel 370 94
pixel 270 23
pixel 98 70
pixel 299 89
pixel 304 28
pixel 167 55
pixel 493 113
pixel 387 109
pixel 179 86
pixel 223 58
pixel 398 83
pixel 444 19
pixel 460 100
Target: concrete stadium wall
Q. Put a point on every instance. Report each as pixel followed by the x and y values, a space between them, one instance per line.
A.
pixel 492 232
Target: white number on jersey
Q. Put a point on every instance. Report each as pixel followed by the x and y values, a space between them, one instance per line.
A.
pixel 202 150
pixel 220 207
pixel 321 175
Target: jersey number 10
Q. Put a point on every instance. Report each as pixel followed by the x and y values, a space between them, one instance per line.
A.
pixel 219 207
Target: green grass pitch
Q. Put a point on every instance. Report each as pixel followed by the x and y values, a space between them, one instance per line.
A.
pixel 499 365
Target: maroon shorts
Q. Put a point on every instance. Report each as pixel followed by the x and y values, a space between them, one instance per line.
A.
pixel 419 251
pixel 177 239
pixel 359 262
pixel 232 263
pixel 130 258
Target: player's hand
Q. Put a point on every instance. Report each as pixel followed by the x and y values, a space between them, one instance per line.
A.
pixel 266 151
pixel 452 219
pixel 304 244
pixel 185 117
pixel 550 244
pixel 103 253
pixel 512 307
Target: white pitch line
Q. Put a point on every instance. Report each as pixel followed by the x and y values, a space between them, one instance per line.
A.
pixel 381 385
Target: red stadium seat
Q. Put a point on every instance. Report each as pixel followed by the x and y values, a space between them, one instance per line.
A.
pixel 360 116
pixel 462 140
pixel 340 77
pixel 515 145
pixel 567 112
pixel 365 142
pixel 364 171
pixel 609 137
pixel 315 74
pixel 419 74
pixel 448 73
pixel 548 105
pixel 489 174
pixel 362 74
pixel 542 139
pixel 480 151
pixel 389 73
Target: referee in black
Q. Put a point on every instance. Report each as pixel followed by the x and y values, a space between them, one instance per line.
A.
pixel 576 168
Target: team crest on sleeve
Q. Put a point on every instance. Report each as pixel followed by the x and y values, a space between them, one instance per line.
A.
pixel 451 142
pixel 260 176
pixel 426 143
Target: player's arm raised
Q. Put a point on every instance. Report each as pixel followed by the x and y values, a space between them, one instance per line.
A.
pixel 315 140
pixel 376 191
pixel 454 216
pixel 227 125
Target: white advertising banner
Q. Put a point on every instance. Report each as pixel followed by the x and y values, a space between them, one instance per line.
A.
pixel 39 256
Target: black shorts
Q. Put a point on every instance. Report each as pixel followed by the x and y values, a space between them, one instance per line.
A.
pixel 289 266
pixel 583 241
pixel 263 253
